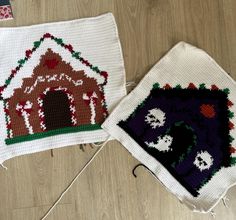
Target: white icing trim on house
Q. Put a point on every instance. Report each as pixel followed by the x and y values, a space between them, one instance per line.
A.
pixel 49 78
pixel 27 69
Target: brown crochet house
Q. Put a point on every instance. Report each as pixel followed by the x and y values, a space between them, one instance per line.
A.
pixel 55 99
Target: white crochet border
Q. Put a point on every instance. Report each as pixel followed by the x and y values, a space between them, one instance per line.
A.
pixel 182 64
pixel 98 41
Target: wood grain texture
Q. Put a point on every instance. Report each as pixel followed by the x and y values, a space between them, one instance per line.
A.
pixel 107 190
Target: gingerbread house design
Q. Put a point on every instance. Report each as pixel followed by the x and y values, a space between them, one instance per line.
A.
pixel 53 90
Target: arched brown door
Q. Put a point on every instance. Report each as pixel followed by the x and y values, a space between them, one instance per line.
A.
pixel 56 110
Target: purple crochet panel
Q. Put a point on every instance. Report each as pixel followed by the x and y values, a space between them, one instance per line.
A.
pixel 186 130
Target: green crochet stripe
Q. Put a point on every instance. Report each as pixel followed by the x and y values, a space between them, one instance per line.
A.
pixel 52 133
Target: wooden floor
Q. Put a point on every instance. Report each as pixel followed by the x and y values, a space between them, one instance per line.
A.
pixel 107 190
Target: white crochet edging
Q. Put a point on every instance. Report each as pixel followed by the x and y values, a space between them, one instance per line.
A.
pixel 182 64
pixel 98 41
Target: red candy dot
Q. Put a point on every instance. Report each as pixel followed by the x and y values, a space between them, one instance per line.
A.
pixel 28 53
pixel 207 110
pixel 167 86
pixel 214 87
pixel 47 35
pixel 191 86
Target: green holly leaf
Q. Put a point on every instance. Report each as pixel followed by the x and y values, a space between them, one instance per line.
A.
pixel 233 161
pixel 230 138
pixel 22 61
pixel 37 44
pixel 226 91
pixel 8 81
pixel 59 40
pixel 178 86
pixel 76 55
pixel 156 86
pixel 202 86
pixel 231 114
pixel 95 68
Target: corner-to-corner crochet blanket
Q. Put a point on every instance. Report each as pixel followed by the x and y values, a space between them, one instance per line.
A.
pixel 59 81
pixel 179 122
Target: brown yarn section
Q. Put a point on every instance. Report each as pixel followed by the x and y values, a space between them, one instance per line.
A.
pixel 50 64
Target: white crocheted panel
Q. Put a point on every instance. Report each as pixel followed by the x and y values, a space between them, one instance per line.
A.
pixel 179 122
pixel 58 83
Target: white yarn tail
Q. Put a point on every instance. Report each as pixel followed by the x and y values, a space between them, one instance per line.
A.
pixel 131 84
pixel 213 214
pixel 74 180
pixel 4 167
pixel 225 199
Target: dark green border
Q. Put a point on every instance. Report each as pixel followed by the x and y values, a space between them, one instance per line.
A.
pixel 4 2
pixel 35 136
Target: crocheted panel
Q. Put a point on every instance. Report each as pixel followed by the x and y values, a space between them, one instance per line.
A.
pixel 55 99
pixel 187 130
pixel 5 10
pixel 4 2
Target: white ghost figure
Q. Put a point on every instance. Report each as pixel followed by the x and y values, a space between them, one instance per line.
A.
pixel 155 118
pixel 162 144
pixel 203 160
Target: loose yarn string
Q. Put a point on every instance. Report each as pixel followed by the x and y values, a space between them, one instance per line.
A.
pixel 74 180
pixel 213 214
pixel 153 174
pixel 97 144
pixel 4 167
pixel 140 164
pixel 225 199
pixel 130 84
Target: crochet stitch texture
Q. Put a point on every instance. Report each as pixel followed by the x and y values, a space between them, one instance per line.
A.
pixel 179 122
pixel 54 87
pixel 5 10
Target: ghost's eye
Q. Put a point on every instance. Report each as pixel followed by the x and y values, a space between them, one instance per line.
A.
pixel 204 163
pixel 199 158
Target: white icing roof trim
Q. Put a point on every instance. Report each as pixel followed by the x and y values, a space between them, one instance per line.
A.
pixel 27 69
